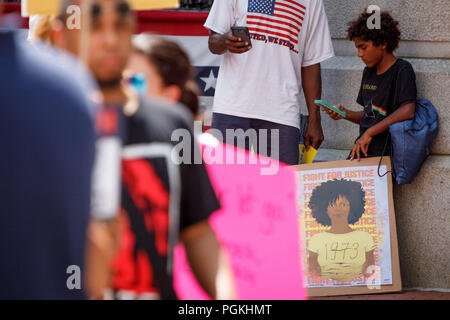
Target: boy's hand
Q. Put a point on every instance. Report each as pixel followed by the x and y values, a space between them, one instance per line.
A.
pixel 361 145
pixel 314 134
pixel 236 45
pixel 334 115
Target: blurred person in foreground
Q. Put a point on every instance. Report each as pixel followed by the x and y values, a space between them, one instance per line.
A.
pixel 103 231
pixel 162 202
pixel 47 138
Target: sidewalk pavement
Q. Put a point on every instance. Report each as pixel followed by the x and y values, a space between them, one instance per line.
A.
pixel 405 295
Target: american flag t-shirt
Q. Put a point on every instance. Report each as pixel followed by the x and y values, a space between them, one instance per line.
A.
pixel 280 18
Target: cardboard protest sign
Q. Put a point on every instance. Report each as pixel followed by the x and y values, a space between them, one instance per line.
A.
pixel 154 4
pixel 41 7
pixel 50 7
pixel 348 225
pixel 258 226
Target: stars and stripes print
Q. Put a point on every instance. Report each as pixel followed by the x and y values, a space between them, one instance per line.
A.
pixel 281 18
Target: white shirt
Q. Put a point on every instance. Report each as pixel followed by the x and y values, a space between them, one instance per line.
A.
pixel 265 83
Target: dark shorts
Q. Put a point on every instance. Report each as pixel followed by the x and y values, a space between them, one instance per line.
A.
pixel 289 137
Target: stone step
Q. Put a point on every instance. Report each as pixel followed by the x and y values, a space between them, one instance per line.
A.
pixel 324 155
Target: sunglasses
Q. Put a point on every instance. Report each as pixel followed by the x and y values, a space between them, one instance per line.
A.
pixel 138 82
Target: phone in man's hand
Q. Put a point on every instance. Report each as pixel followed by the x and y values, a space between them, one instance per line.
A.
pixel 243 33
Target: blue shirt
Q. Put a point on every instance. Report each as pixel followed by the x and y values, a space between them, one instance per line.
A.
pixel 47 143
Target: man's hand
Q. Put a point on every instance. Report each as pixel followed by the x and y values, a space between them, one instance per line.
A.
pixel 221 43
pixel 236 45
pixel 208 261
pixel 102 244
pixel 361 145
pixel 314 134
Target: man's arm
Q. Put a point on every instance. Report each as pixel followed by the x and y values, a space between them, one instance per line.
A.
pixel 208 261
pixel 221 43
pixel 312 88
pixel 101 247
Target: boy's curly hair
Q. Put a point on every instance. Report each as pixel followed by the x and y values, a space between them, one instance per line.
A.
pixel 389 33
pixel 328 192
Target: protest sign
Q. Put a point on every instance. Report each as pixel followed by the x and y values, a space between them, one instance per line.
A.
pixel 258 227
pixel 41 7
pixel 50 7
pixel 348 225
pixel 154 4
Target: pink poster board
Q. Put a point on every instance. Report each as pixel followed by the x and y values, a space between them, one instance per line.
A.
pixel 258 225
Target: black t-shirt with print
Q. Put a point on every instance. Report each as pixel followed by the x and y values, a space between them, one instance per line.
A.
pixel 159 200
pixel 380 95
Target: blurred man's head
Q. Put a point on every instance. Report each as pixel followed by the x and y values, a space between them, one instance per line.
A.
pixel 112 26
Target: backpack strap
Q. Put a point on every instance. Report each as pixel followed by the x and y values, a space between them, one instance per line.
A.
pixel 389 134
pixel 381 159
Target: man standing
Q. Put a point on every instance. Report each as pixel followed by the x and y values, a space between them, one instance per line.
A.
pixel 259 86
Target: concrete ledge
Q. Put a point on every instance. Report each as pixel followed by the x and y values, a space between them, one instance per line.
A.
pixel 325 155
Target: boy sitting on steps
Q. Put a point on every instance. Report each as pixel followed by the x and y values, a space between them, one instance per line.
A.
pixel 388 87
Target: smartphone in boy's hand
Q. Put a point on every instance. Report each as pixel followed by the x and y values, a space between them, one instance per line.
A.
pixel 334 112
